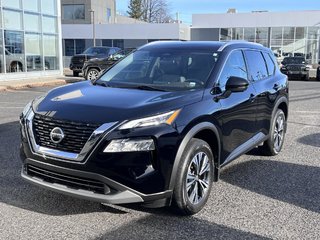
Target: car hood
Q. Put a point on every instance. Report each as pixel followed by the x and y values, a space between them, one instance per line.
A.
pixel 86 56
pixel 84 102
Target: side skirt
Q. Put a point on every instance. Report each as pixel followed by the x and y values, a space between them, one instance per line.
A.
pixel 245 147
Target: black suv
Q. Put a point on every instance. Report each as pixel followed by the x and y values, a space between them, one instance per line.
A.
pixel 158 126
pixel 92 68
pixel 295 67
pixel 78 60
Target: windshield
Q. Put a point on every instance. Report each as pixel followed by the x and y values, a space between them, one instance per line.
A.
pixel 164 69
pixel 294 60
pixel 97 50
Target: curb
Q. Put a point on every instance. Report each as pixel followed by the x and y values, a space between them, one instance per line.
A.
pixel 47 83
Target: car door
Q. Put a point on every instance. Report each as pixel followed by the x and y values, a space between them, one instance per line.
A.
pixel 238 110
pixel 266 84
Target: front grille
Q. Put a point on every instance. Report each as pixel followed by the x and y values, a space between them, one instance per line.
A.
pixel 294 68
pixel 76 133
pixel 66 180
pixel 78 60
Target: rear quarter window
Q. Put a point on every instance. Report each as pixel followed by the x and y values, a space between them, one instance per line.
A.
pixel 270 64
pixel 256 64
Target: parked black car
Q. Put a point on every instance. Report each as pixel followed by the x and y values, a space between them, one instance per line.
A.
pixel 295 67
pixel 92 68
pixel 158 126
pixel 78 60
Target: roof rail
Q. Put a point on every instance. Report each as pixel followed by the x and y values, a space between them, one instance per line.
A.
pixel 232 42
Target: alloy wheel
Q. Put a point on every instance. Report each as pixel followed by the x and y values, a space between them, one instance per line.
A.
pixel 198 177
pixel 278 134
pixel 93 74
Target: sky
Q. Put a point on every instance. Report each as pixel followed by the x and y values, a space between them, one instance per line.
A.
pixel 188 7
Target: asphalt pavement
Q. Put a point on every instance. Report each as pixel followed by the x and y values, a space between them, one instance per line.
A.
pixel 257 197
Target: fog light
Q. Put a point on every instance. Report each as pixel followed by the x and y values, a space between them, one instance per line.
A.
pixel 130 145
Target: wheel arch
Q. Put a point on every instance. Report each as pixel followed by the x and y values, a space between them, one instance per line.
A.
pixel 207 132
pixel 282 104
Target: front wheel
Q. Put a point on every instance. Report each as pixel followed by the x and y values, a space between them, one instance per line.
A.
pixel 275 141
pixel 194 178
pixel 92 74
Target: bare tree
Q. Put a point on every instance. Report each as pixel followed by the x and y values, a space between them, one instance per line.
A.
pixel 155 11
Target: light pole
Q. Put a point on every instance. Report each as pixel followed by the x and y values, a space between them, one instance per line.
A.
pixel 93 27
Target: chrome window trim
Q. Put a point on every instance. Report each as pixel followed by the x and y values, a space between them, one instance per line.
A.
pixel 62 155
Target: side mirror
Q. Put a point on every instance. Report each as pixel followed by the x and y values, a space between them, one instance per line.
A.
pixel 236 84
pixel 319 62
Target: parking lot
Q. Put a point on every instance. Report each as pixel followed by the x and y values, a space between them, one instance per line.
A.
pixel 257 198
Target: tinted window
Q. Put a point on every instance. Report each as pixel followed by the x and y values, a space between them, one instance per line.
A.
pixel 256 64
pixel 234 66
pixel 270 64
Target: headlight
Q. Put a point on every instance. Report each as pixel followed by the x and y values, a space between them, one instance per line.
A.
pixel 26 109
pixel 129 145
pixel 166 118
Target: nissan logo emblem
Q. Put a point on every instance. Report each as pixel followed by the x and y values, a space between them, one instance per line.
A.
pixel 56 135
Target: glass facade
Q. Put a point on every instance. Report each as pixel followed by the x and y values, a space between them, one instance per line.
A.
pixel 283 41
pixel 30 39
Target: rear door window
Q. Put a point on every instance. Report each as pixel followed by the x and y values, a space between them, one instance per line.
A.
pixel 256 64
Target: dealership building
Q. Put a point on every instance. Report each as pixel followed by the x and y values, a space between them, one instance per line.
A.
pixel 295 33
pixel 30 39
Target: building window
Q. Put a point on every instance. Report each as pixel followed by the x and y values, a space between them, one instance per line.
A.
pixel 80 45
pixel 12 20
pixel 249 34
pixel 31 5
pixel 225 34
pixel 73 12
pixel 33 52
pixel 69 47
pixel 107 42
pixel 49 7
pixel 118 43
pixel 12 3
pixel 14 51
pixel 31 22
pixel 108 15
pixel 50 52
pixel 49 24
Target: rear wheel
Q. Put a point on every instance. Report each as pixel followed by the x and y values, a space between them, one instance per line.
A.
pixel 275 142
pixel 194 178
pixel 92 74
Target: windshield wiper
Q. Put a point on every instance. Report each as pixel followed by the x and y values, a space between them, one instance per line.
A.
pixel 104 84
pixel 149 88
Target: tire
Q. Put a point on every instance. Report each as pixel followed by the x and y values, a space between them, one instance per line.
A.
pixel 92 74
pixel 189 197
pixel 75 74
pixel 274 144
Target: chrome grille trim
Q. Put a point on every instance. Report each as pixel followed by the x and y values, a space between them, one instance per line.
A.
pixel 63 155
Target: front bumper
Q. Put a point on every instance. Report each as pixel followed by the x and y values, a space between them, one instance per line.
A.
pixel 76 67
pixel 295 74
pixel 80 184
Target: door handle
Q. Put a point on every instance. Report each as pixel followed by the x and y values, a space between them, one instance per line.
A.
pixel 276 86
